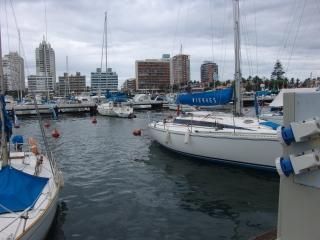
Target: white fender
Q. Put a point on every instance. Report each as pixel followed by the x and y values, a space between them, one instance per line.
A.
pixel 167 136
pixel 187 137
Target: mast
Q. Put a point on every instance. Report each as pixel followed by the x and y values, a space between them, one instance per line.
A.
pixel 106 46
pixel 4 146
pixel 66 84
pixel 20 68
pixel 237 74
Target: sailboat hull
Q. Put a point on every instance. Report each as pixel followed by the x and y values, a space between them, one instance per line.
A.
pixel 40 228
pixel 232 149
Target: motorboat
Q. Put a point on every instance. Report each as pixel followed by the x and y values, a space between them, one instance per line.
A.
pixel 115 109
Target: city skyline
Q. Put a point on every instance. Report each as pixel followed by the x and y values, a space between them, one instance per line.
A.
pixel 76 28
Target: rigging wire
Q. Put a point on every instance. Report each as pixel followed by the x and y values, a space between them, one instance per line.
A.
pixel 7 27
pixel 212 30
pixel 45 19
pixel 176 28
pixel 244 25
pixel 287 30
pixel 296 34
pixel 256 36
pixel 211 7
pixel 101 62
pixel 185 28
pixel 223 41
pixel 43 133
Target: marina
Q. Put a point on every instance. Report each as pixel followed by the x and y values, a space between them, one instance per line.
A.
pixel 134 189
pixel 203 126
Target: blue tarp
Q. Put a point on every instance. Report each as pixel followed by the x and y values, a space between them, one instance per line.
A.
pixel 19 190
pixel 116 96
pixel 208 98
pixel 273 125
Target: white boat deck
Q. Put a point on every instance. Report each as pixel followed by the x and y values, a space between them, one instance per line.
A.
pixel 21 224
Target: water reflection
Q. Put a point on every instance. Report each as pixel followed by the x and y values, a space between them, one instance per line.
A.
pixel 235 196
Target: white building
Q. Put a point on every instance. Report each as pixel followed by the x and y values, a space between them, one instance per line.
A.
pixel 45 61
pixel 13 70
pixel 102 81
pixel 40 84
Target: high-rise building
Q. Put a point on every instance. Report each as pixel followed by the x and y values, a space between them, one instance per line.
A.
pixel 103 81
pixel 13 71
pixel 72 84
pixel 129 85
pixel 45 61
pixel 180 70
pixel 209 72
pixel 153 74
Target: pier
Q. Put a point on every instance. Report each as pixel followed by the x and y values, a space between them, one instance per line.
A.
pixel 48 108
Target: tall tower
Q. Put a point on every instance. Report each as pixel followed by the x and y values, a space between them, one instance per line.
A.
pixel 209 72
pixel 13 68
pixel 45 61
pixel 180 69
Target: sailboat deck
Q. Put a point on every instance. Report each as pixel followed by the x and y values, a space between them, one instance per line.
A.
pixel 15 224
pixel 217 125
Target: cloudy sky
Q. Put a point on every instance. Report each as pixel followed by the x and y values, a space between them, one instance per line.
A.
pixel 288 30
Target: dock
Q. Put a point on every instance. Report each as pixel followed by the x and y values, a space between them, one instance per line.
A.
pixel 30 109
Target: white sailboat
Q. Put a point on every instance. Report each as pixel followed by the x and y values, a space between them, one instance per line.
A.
pixel 112 108
pixel 30 183
pixel 221 137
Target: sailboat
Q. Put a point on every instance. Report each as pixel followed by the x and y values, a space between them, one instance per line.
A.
pixel 115 107
pixel 227 138
pixel 30 181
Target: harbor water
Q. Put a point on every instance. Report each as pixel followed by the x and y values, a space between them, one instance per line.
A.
pixel 118 186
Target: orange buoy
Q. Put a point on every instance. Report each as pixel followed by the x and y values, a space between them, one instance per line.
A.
pixel 55 133
pixel 47 124
pixel 136 132
pixel 94 120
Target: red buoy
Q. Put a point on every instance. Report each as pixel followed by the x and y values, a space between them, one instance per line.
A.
pixel 55 133
pixel 94 120
pixel 47 124
pixel 136 132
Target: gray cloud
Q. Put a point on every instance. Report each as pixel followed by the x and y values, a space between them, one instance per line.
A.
pixel 146 29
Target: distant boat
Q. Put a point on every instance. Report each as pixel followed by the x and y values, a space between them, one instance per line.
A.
pixel 112 105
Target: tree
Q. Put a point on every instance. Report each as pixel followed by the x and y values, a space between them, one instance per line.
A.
pixel 278 73
pixel 291 83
